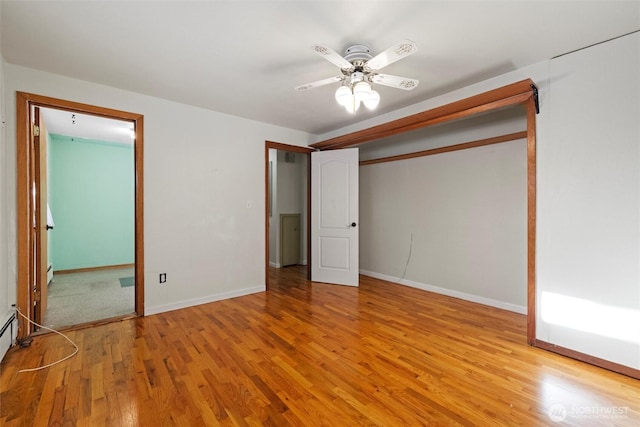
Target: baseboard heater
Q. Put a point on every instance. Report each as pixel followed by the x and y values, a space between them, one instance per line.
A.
pixel 8 324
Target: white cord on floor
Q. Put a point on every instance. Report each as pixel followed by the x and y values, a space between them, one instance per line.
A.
pixel 52 330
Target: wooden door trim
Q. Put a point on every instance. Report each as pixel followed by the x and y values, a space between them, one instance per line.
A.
pixel 449 148
pixel 24 209
pixel 40 146
pixel 532 109
pixel 512 94
pixel 294 149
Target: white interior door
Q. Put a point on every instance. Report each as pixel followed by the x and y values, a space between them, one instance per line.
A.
pixel 334 217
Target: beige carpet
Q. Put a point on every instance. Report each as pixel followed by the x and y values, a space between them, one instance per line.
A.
pixel 76 298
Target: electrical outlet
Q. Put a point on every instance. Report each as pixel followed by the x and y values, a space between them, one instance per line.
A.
pixel 163 277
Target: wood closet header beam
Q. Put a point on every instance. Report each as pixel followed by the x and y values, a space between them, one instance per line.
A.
pixel 448 148
pixel 515 93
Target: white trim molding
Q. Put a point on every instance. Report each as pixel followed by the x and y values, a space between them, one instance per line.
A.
pixel 448 292
pixel 204 300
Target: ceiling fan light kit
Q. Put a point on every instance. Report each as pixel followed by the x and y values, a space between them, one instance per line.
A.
pixel 358 91
pixel 359 70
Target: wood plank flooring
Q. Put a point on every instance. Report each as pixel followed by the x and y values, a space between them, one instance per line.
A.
pixel 307 354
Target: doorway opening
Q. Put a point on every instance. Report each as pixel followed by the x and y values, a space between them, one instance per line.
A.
pixel 287 207
pixel 36 220
pixel 87 179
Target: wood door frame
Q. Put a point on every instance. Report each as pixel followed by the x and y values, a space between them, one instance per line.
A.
pixel 293 149
pixel 40 286
pixel 25 210
pixel 522 93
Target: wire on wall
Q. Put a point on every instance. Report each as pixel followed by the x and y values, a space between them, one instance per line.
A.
pixel 406 266
pixel 52 330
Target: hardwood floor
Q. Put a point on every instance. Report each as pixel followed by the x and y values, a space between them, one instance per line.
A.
pixel 312 354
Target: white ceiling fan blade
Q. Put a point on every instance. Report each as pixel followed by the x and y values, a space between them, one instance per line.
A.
pixel 398 51
pixel 320 83
pixel 331 56
pixel 395 81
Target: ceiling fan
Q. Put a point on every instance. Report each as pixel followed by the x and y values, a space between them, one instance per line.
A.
pixel 359 69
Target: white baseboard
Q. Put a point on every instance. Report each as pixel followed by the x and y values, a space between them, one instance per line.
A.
pixel 449 292
pixel 204 300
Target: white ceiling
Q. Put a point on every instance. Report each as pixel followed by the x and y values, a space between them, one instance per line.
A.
pixel 87 126
pixel 245 57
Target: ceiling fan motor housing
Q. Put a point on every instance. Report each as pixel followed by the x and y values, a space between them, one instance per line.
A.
pixel 357 54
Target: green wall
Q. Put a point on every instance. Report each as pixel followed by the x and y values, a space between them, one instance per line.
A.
pixel 91 195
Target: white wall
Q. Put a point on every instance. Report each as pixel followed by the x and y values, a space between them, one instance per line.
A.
pixel 465 212
pixel 502 122
pixel 589 203
pixel 202 170
pixel 588 188
pixel 453 223
pixel 6 268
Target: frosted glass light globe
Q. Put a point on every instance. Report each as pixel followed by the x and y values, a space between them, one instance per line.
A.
pixel 343 95
pixel 362 91
pixel 373 100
